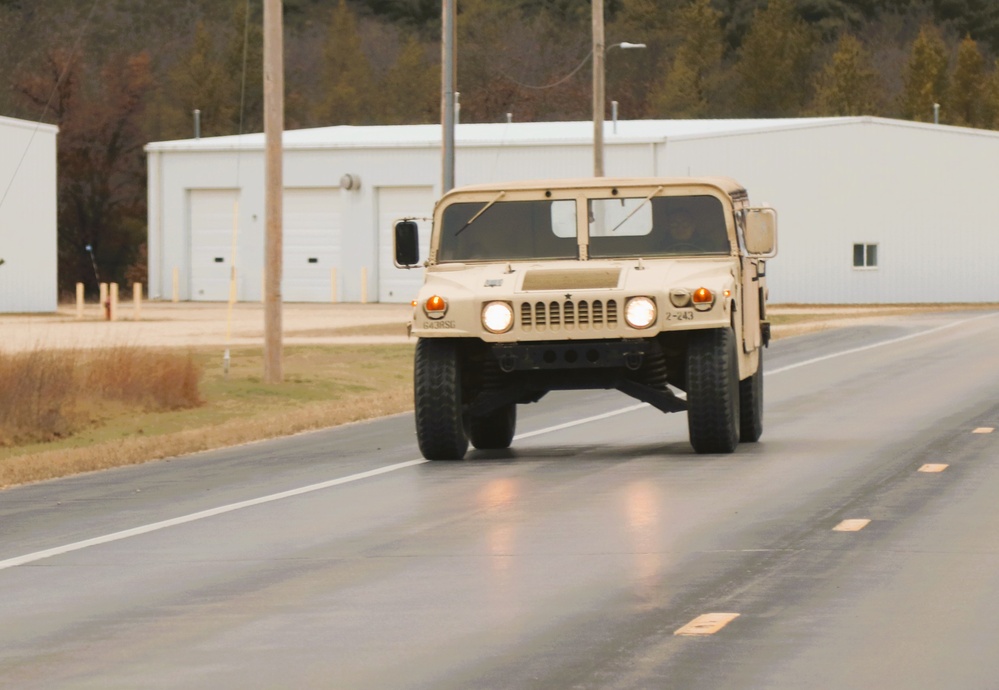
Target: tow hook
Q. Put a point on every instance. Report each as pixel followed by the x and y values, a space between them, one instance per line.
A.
pixel 633 360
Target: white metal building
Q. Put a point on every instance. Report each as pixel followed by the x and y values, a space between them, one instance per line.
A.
pixel 28 274
pixel 871 209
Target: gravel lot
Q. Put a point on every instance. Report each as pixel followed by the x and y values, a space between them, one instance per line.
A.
pixel 167 324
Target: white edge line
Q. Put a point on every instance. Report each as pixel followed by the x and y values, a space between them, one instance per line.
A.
pixel 221 510
pixel 156 526
pixel 882 343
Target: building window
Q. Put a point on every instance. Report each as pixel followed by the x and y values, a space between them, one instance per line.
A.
pixel 865 256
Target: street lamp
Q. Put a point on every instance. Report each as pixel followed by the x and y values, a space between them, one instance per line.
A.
pixel 599 53
pixel 598 102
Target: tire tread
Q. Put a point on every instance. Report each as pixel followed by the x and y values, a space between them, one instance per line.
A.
pixel 712 397
pixel 440 432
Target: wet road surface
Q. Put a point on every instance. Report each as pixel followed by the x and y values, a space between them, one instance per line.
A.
pixel 855 546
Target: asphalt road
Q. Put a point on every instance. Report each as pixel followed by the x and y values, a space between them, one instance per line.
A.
pixel 337 559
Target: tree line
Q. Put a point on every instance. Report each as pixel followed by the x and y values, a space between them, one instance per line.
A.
pixel 115 74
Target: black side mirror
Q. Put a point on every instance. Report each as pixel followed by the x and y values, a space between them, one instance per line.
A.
pixel 407 244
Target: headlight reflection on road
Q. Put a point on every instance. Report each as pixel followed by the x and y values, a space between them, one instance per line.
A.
pixel 498 494
pixel 498 497
pixel 643 509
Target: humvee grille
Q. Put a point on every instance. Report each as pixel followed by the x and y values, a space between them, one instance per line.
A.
pixel 568 314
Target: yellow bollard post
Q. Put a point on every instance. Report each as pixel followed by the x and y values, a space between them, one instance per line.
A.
pixel 176 284
pixel 79 300
pixel 333 285
pixel 137 300
pixel 364 284
pixel 105 305
pixel 113 301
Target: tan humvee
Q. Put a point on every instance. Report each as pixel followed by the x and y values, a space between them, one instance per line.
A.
pixel 644 285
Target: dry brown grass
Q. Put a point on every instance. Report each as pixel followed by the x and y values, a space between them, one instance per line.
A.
pixel 51 394
pixel 154 380
pixel 324 386
pixel 136 449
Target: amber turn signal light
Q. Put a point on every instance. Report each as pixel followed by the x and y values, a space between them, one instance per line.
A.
pixel 702 296
pixel 435 307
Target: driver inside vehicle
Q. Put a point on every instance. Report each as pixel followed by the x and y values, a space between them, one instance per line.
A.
pixel 681 240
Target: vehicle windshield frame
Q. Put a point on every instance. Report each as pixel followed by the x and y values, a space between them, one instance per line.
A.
pixel 508 228
pixel 574 240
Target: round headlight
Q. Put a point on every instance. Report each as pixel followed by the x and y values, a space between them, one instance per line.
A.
pixel 640 312
pixel 497 317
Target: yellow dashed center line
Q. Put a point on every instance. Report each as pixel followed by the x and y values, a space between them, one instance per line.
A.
pixel 983 430
pixel 933 467
pixel 852 525
pixel 707 624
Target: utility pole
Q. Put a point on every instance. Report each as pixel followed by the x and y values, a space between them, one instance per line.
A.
pixel 447 94
pixel 598 88
pixel 274 184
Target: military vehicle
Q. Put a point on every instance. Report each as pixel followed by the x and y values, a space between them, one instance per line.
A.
pixel 655 287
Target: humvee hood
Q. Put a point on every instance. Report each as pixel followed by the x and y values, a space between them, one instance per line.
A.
pixel 499 281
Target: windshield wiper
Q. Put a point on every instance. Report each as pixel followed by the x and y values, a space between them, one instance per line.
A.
pixel 483 210
pixel 634 210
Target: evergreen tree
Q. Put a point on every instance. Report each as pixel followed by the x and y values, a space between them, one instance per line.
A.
pixel 979 18
pixel 848 85
pixel 968 86
pixel 346 83
pixel 693 72
pixel 210 78
pixel 775 62
pixel 925 76
pixel 412 87
pixel 243 65
pixel 990 110
pixel 196 83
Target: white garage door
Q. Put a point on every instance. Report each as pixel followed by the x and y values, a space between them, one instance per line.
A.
pixel 312 226
pixel 399 284
pixel 211 223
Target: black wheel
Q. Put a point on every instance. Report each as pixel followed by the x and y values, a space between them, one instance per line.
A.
pixel 713 391
pixel 437 392
pixel 493 431
pixel 751 406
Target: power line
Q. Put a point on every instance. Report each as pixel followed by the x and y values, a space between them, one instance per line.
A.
pixel 48 103
pixel 553 84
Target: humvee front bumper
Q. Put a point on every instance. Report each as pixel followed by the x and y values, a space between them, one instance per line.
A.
pixel 578 354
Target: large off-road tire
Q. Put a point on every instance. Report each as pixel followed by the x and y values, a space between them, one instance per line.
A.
pixel 495 430
pixel 713 391
pixel 751 406
pixel 440 432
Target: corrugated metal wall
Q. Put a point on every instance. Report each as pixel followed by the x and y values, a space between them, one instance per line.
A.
pixel 28 276
pixel 922 194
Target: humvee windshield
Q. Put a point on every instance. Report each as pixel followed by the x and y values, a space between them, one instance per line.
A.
pixel 618 227
pixel 509 230
pixel 663 226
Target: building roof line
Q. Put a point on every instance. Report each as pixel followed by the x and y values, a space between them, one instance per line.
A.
pixel 524 134
pixel 28 124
